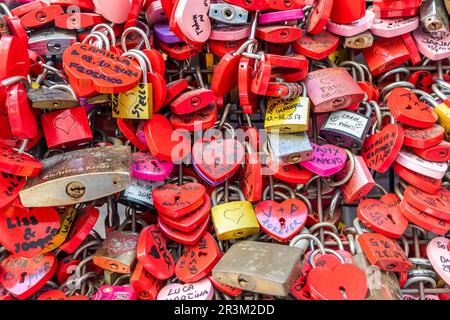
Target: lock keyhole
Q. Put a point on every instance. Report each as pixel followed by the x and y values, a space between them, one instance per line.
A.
pixel 284 34
pixel 216 162
pixel 282 222
pixel 177 198
pixel 391 218
pixel 343 292
pixel 288 3
pixel 22 277
pixel 41 16
pixel 202 254
pixel 228 13
pixel 76 189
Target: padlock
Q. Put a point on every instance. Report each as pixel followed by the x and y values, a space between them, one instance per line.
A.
pixel 432 48
pixel 251 181
pixel 396 9
pixel 347 129
pixel 227 13
pixel 350 30
pixel 289 148
pixel 138 194
pixel 235 219
pixel 81 20
pixel 319 16
pixel 76 176
pixel 326 160
pixel 439 153
pixel 280 16
pixel 41 16
pixel 58 97
pixel 443 109
pixel 424 183
pixel 382 251
pixel 436 170
pixel 118 252
pixel 332 89
pixel 359 41
pixel 200 290
pixel 347 12
pixel 433 16
pixel 389 28
pixel 66 128
pixel 144 284
pixel 112 293
pixel 164 34
pixel 245 266
pixel 288 115
pixel 360 183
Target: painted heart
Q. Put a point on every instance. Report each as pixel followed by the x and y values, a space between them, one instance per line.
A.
pixel 217 161
pixel 436 205
pixel 383 216
pixel 176 201
pixel 65 124
pixel 26 232
pixel 438 251
pixel 152 252
pixel 129 99
pixel 201 290
pixel 92 70
pixel 146 167
pixel 344 282
pixel 22 277
pixel 234 215
pixel 59 295
pixel 282 221
pixel 198 260
pixel 115 11
pixel 326 160
pixel 381 149
pixel 406 108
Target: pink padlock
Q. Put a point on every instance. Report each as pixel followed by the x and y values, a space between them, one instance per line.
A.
pixel 389 28
pixel 438 252
pixel 280 16
pixel 115 293
pixel 350 30
pixel 415 163
pixel 326 160
pixel 230 33
pixel 191 16
pixel 146 167
pixel 155 13
pixel 115 11
pixel 201 290
pixel 434 49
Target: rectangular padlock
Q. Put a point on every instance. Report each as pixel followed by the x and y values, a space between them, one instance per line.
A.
pixel 287 115
pixel 260 267
pixel 290 148
pixel 79 176
pixel 45 98
pixel 433 16
pixel 346 129
pixel 227 13
pixel 52 42
pixel 332 89
pixel 360 41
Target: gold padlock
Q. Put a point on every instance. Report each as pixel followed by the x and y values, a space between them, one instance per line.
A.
pixel 260 267
pixel 288 115
pixel 443 109
pixel 234 219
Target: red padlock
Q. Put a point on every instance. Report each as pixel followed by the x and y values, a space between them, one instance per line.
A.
pixel 347 11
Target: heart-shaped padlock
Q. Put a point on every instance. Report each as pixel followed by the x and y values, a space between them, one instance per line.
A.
pixel 176 201
pixel 437 205
pixel 186 238
pixel 201 290
pixel 326 161
pixel 438 251
pixel 146 167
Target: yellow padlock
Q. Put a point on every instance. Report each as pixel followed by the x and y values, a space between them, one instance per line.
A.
pixel 288 115
pixel 138 102
pixel 443 112
pixel 59 239
pixel 234 219
pixel 339 56
pixel 443 109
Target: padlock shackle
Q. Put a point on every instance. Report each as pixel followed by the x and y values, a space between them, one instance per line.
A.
pixel 348 176
pixel 6 10
pixel 65 88
pixel 352 66
pixel 109 30
pixel 397 71
pixel 333 235
pixel 218 194
pixel 104 38
pixel 123 40
pixel 326 250
pixel 141 61
pixel 280 186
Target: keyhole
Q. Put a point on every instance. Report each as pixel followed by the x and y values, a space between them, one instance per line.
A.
pixel 343 292
pixel 114 266
pixel 216 162
pixel 282 222
pixel 284 34
pixel 22 277
pixel 288 3
pixel 177 198
pixel 202 254
pixel 154 163
pixel 391 218
pixel 408 107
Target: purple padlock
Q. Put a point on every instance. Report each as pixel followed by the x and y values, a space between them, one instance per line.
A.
pixel 146 167
pixel 280 16
pixel 163 33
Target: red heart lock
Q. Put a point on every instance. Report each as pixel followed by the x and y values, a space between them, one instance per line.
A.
pixel 189 238
pixel 197 121
pixel 282 221
pixel 15 59
pixel 22 120
pixel 251 178
pixel 163 142
pixel 152 253
pixel 10 186
pixel 228 290
pixel 216 160
pixel 59 295
pixel 291 173
pixel 85 222
pixel 144 284
pixel 92 70
pixel 344 282
pixel 438 153
pixel 424 220
pixel 318 46
pixel 224 79
pixel 319 16
pixel 421 182
pixel 436 205
pixel 423 138
pixel 176 201
pixel 27 7
pixel 406 108
pixel 381 149
pixel 23 277
pixel 190 221
pixel 383 216
pixel 198 260
pixel 248 100
pixel 26 232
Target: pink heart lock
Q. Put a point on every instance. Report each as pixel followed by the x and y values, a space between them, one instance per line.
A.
pixel 438 252
pixel 193 20
pixel 350 30
pixel 146 167
pixel 326 160
pixel 389 28
pixel 201 290
pixel 434 49
pixel 115 11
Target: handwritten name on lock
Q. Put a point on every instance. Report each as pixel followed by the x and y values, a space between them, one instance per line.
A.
pixel 134 104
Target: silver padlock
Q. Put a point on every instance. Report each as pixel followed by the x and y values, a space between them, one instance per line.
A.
pixel 289 148
pixel 434 17
pixel 347 129
pixel 52 42
pixel 138 195
pixel 228 13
